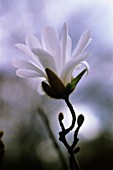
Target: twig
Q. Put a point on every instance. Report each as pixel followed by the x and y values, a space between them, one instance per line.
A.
pixel 62 135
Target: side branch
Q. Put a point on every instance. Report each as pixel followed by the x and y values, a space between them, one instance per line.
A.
pixel 62 135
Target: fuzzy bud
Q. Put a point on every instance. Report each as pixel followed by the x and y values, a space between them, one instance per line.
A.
pixel 80 120
pixel 60 117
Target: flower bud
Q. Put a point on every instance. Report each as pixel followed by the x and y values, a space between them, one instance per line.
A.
pixel 60 116
pixel 80 120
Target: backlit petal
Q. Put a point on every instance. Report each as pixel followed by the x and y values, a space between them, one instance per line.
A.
pixel 27 73
pixel 32 42
pixel 45 58
pixel 28 53
pixel 85 63
pixel 27 65
pixel 25 49
pixel 63 43
pixel 51 44
pixel 50 40
pixel 66 74
pixel 83 43
pixel 68 48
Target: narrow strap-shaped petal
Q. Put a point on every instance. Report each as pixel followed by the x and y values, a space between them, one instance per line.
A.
pixel 85 63
pixel 27 73
pixel 68 48
pixel 63 43
pixel 25 49
pixel 32 42
pixel 50 40
pixel 45 58
pixel 66 74
pixel 28 66
pixel 51 44
pixel 83 43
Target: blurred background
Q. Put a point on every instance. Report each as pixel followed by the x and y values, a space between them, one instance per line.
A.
pixel 27 142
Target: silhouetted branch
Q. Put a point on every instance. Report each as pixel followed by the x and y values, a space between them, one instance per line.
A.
pixel 62 135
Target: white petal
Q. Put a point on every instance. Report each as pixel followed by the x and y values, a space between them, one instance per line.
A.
pixel 39 86
pixel 51 44
pixel 29 53
pixel 83 43
pixel 25 49
pixel 27 65
pixel 45 58
pixel 27 73
pixel 85 63
pixel 32 42
pixel 68 48
pixel 63 43
pixel 50 40
pixel 66 74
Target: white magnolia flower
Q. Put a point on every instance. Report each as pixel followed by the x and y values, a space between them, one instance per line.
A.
pixel 52 53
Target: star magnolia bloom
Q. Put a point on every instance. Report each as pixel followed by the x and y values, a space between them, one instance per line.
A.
pixel 52 53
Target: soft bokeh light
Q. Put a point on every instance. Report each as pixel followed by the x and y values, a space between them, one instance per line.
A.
pixel 91 127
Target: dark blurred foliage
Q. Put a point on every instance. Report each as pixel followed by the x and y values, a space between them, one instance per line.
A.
pixel 2 147
pixel 98 153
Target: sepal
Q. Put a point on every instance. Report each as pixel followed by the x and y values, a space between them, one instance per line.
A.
pixel 48 90
pixel 71 86
pixel 56 88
